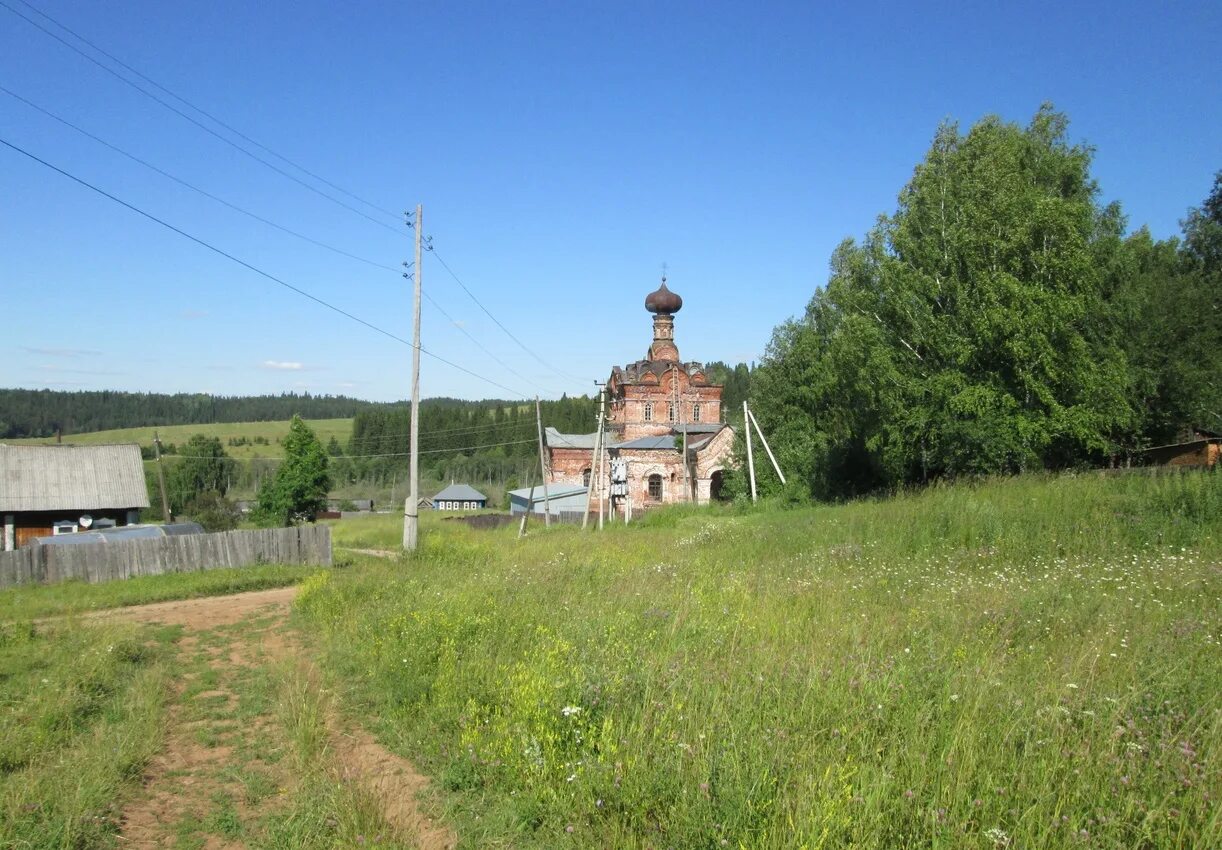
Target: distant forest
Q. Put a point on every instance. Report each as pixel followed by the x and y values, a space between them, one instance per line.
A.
pixel 41 413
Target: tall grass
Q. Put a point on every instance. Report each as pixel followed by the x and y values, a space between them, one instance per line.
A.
pixel 1029 662
pixel 80 715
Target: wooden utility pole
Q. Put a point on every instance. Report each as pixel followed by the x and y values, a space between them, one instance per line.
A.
pixel 547 504
pixel 760 431
pixel 602 501
pixel 585 519
pixel 411 510
pixel 750 457
pixel 530 498
pixel 165 503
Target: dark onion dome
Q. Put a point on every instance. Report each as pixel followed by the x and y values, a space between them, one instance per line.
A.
pixel 663 301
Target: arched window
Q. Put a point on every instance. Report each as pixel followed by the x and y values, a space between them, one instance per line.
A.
pixel 670 412
pixel 696 412
pixel 585 477
pixel 649 411
pixel 655 487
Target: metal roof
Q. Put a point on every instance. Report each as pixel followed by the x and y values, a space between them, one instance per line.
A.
pixel 122 534
pixel 700 427
pixel 71 478
pixel 666 441
pixel 572 441
pixel 460 493
pixel 554 491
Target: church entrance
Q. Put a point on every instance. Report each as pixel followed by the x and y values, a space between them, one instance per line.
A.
pixel 715 485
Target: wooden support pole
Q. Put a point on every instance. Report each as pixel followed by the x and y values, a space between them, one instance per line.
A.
pixel 760 431
pixel 411 510
pixel 585 519
pixel 166 516
pixel 547 504
pixel 750 457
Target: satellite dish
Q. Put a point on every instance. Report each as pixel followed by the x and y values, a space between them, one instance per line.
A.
pixel 86 521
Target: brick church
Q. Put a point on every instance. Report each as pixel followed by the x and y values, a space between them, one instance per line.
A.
pixel 665 438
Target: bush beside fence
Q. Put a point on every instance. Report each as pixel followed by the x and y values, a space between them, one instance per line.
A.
pixel 99 562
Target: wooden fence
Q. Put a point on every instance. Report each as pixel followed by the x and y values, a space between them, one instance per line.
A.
pixel 98 562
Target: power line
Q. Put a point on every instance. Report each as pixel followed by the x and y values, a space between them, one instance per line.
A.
pixel 263 220
pixel 356 457
pixel 364 442
pixel 264 162
pixel 204 112
pixel 488 313
pixel 479 344
pixel 192 186
pixel 252 268
pixel 198 123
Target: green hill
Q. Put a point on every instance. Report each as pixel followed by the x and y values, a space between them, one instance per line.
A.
pixel 270 432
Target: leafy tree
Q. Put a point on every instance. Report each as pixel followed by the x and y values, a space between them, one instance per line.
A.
pixel 963 334
pixel 202 466
pixel 213 511
pixel 299 488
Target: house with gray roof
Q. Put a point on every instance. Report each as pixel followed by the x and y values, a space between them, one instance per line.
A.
pixel 460 497
pixel 48 490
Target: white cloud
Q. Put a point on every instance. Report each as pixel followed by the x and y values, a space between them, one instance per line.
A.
pixel 55 367
pixel 62 352
pixel 283 365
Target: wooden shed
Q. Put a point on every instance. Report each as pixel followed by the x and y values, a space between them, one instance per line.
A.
pixel 1196 448
pixel 48 490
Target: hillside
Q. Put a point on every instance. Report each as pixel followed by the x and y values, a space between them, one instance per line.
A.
pixel 271 432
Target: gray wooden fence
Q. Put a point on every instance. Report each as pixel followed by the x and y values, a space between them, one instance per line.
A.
pixel 98 562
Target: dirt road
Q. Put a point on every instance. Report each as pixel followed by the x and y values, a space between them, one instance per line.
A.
pixel 256 751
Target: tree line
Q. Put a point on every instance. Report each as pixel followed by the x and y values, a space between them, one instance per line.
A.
pixel 1001 319
pixel 43 413
pixel 464 440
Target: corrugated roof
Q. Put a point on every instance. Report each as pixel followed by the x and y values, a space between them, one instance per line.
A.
pixel 69 478
pixel 460 493
pixel 700 427
pixel 554 491
pixel 122 534
pixel 557 440
pixel 666 441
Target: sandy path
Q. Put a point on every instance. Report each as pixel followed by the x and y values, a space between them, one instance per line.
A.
pixel 185 771
pixel 206 613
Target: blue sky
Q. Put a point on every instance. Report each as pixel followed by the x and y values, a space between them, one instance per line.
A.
pixel 562 151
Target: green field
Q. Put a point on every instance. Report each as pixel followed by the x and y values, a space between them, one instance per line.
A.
pixel 325 429
pixel 1030 662
pixel 83 713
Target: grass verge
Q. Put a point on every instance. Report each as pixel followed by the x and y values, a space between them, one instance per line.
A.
pixel 1019 663
pixel 80 715
pixel 28 602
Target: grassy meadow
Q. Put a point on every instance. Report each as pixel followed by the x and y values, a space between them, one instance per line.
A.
pixel 1030 662
pixel 82 713
pixel 325 429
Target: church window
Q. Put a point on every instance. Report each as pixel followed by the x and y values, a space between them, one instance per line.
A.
pixel 649 411
pixel 585 477
pixel 670 412
pixel 696 412
pixel 655 487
